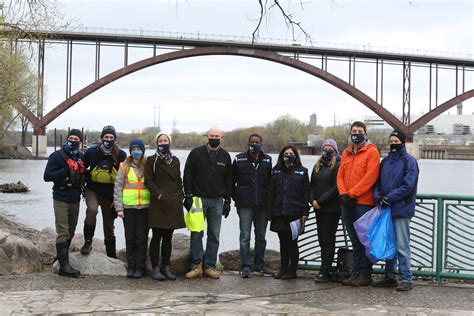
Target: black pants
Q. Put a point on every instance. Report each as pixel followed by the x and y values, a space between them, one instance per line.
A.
pixel 136 237
pixel 326 224
pixel 164 236
pixel 289 252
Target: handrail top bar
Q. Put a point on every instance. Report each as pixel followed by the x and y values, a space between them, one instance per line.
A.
pixel 449 197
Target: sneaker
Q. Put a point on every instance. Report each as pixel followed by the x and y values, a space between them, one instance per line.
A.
pixel 196 272
pixel 405 286
pixel 322 278
pixel 362 281
pixel 245 274
pixel 386 281
pixel 212 273
pixel 266 272
pixel 350 279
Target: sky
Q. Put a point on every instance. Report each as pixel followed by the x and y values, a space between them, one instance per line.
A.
pixel 194 94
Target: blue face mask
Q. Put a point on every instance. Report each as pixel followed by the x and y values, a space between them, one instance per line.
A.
pixel 163 148
pixel 108 143
pixel 136 153
pixel 357 138
pixel 255 148
pixel 289 159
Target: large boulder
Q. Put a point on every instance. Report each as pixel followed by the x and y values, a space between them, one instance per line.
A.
pixel 231 259
pixel 95 263
pixel 179 255
pixel 18 255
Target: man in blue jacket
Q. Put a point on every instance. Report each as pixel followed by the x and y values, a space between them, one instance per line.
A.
pixel 397 188
pixel 251 177
pixel 65 169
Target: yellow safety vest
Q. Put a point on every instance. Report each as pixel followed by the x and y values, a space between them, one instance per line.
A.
pixel 134 190
pixel 194 219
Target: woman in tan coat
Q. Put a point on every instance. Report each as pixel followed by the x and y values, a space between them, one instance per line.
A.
pixel 163 179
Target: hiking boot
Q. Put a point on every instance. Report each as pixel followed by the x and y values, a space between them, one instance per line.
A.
pixel 322 278
pixel 165 270
pixel 212 274
pixel 362 281
pixel 350 279
pixel 156 274
pixel 130 273
pixel 386 281
pixel 279 274
pixel 405 286
pixel 196 272
pixel 245 274
pixel 266 272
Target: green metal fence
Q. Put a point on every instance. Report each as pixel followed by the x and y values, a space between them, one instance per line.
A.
pixel 442 238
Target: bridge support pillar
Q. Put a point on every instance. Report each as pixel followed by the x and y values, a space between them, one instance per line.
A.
pixel 413 148
pixel 39 143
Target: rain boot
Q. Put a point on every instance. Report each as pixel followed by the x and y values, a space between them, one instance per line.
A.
pixel 63 257
pixel 110 248
pixel 165 270
pixel 88 235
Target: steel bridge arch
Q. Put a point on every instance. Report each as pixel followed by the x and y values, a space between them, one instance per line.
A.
pixel 41 123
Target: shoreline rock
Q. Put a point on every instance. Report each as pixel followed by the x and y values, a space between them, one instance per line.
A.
pixel 15 152
pixel 18 187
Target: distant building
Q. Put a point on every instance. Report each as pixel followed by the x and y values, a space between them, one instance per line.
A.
pixel 460 129
pixel 313 120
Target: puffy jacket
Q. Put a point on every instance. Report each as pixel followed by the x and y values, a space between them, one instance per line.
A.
pixel 358 173
pixel 251 179
pixel 57 171
pixel 288 196
pixel 398 183
pixel 324 189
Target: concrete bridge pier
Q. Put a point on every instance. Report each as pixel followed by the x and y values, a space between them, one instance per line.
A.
pixel 39 142
pixel 412 147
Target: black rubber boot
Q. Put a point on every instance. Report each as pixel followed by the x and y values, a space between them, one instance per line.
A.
pixel 110 248
pixel 88 235
pixel 156 274
pixel 63 257
pixel 165 270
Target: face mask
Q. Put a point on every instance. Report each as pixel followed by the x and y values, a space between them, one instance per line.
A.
pixel 396 147
pixel 255 148
pixel 327 154
pixel 288 159
pixel 163 148
pixel 108 143
pixel 357 138
pixel 214 143
pixel 72 145
pixel 136 154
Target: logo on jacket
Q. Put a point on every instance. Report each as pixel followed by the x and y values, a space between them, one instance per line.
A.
pixel 301 173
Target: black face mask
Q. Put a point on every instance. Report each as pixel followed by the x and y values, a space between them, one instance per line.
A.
pixel 213 142
pixel 396 147
pixel 327 154
pixel 254 148
pixel 72 145
pixel 289 159
pixel 108 143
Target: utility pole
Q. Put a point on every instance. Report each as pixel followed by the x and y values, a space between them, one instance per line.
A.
pixel 154 118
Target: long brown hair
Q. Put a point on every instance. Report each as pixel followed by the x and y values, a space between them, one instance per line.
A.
pixel 280 165
pixel 332 164
pixel 128 161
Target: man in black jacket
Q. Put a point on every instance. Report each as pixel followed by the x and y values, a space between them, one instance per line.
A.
pixel 65 169
pixel 208 175
pixel 251 178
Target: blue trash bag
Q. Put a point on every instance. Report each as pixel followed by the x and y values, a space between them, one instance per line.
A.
pixel 381 237
pixel 363 225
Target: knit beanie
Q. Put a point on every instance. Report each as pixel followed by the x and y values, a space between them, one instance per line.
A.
pixel 109 129
pixel 162 133
pixel 330 142
pixel 399 134
pixel 137 142
pixel 75 132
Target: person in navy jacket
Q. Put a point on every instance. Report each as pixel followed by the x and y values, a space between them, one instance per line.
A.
pixel 65 169
pixel 288 202
pixel 251 178
pixel 396 188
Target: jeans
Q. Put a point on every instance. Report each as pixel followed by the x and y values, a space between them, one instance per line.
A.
pixel 361 263
pixel 136 237
pixel 403 255
pixel 212 208
pixel 248 215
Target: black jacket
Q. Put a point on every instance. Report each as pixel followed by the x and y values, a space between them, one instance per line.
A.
pixel 57 171
pixel 208 173
pixel 288 197
pixel 251 180
pixel 324 189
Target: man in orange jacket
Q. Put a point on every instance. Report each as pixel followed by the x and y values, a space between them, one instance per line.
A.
pixel 358 172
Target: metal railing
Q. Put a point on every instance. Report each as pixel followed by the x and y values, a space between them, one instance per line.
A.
pixel 442 238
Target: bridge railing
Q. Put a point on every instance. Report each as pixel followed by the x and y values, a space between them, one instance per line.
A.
pixel 442 238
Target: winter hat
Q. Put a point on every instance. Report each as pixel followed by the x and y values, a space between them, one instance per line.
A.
pixel 75 132
pixel 398 134
pixel 137 142
pixel 162 133
pixel 109 129
pixel 330 142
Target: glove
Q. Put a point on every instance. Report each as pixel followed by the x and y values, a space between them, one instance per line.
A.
pixel 382 201
pixel 226 208
pixel 347 201
pixel 188 202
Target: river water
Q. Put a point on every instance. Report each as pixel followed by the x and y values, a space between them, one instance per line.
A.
pixel 35 208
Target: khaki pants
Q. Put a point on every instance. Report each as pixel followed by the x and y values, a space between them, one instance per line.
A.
pixel 93 201
pixel 65 215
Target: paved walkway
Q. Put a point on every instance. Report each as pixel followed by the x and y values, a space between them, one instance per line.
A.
pixel 45 293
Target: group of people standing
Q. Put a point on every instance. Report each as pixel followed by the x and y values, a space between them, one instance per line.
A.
pixel 149 193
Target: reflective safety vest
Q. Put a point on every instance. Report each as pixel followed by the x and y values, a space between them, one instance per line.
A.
pixel 134 190
pixel 194 219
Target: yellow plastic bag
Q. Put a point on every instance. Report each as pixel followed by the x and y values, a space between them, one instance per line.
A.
pixel 194 219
